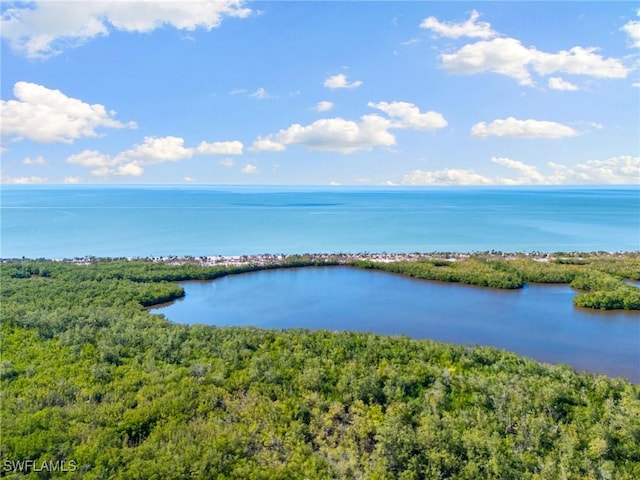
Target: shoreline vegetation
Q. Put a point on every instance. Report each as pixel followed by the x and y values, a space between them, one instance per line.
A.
pixel 90 379
pixel 601 278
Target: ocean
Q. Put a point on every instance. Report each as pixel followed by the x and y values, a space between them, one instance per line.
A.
pixel 139 221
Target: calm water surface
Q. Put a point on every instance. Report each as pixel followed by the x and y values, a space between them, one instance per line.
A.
pixel 72 221
pixel 537 321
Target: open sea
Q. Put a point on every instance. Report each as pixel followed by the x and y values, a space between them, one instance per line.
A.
pixel 137 221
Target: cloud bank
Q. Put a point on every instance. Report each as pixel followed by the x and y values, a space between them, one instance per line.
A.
pixel 43 29
pixel 616 170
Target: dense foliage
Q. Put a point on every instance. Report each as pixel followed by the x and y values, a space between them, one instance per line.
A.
pixel 90 378
pixel 600 277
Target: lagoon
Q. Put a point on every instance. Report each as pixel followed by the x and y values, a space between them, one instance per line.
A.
pixel 538 321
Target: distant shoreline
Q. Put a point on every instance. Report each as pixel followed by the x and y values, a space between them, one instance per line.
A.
pixel 268 259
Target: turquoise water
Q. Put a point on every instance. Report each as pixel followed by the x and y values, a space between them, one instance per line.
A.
pixel 70 221
pixel 537 321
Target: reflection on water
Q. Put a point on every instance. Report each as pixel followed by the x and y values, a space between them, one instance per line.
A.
pixel 537 321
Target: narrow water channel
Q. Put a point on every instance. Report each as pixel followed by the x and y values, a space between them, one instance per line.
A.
pixel 538 321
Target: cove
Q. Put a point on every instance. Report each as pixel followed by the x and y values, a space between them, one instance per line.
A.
pixel 538 321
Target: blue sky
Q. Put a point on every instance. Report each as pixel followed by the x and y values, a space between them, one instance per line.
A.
pixel 321 93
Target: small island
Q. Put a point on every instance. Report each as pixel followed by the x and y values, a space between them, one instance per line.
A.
pixel 94 384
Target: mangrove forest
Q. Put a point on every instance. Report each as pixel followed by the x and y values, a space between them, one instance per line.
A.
pixel 94 386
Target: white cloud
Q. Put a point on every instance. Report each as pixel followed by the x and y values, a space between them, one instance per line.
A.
pixel 579 61
pixel 323 106
pixel 188 179
pixel 159 150
pixel 529 175
pixel 44 28
pixel 90 158
pixel 260 94
pixel 267 144
pixel 220 148
pixel 153 150
pixel 445 177
pixel 337 134
pixel 340 81
pixel 557 83
pixel 616 170
pixel 22 180
pixel 39 160
pixel 249 169
pixel 227 162
pixel 347 136
pixel 407 115
pixel 72 180
pixel 468 28
pixel 636 84
pixel 507 56
pixel 632 29
pixel 514 128
pixel 131 169
pixel 44 115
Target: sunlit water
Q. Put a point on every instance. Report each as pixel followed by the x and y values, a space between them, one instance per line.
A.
pixel 537 321
pixel 72 221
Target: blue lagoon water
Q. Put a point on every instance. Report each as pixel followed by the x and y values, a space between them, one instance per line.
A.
pixel 71 221
pixel 538 321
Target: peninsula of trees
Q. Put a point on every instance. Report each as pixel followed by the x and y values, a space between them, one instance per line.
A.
pixel 93 382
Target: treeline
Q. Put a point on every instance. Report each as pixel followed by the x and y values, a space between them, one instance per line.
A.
pixel 472 271
pixel 89 377
pixel 600 278
pixel 146 270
